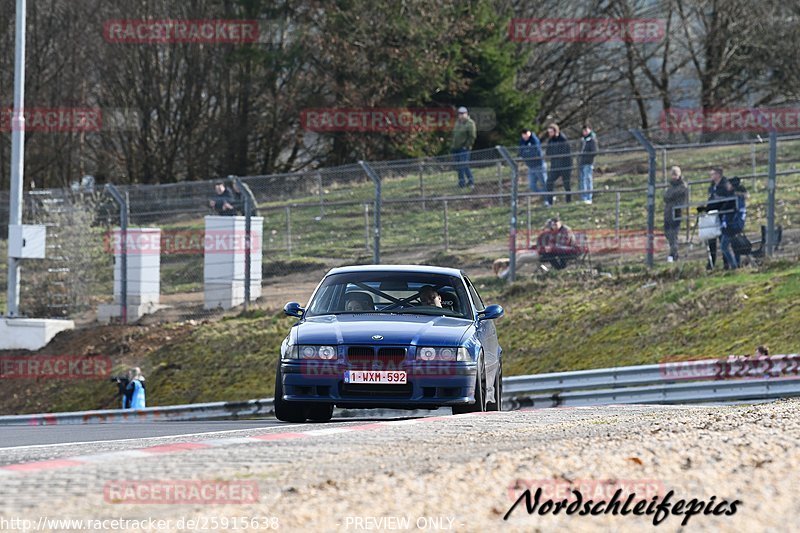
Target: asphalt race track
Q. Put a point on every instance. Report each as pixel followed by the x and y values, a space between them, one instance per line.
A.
pixel 13 436
pixel 432 473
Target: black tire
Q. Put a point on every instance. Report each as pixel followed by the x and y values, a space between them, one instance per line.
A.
pixel 287 411
pixel 320 412
pixel 497 404
pixel 480 394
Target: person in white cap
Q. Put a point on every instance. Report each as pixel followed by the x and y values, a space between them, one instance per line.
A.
pixel 464 134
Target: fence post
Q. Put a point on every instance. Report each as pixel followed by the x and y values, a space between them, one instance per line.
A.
pixel 512 237
pixel 686 215
pixel 664 163
pixel 651 192
pixel 376 252
pixel 528 238
pixel 421 186
pixel 500 183
pixel 446 229
pixel 289 230
pixel 366 225
pixel 773 156
pixel 616 219
pixel 319 183
pixel 124 211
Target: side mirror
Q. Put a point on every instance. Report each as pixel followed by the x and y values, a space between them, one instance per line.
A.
pixel 491 312
pixel 293 309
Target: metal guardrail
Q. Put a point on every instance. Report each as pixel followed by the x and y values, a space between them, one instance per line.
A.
pixel 711 380
pixel 197 411
pixel 704 381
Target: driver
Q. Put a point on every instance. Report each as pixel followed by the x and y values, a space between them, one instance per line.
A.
pixel 429 296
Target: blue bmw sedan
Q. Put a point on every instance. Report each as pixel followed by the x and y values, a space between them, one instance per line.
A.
pixel 408 337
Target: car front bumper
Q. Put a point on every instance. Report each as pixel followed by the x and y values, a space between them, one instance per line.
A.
pixel 428 385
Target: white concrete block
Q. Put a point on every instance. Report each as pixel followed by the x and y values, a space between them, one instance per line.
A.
pixel 144 265
pixel 107 312
pixel 224 260
pixel 30 333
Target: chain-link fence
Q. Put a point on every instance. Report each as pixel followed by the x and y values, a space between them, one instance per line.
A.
pixel 437 210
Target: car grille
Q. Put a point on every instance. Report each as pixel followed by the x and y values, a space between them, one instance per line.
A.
pixel 365 357
pixel 375 391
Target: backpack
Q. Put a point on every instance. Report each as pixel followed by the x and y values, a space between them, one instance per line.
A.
pixel 741 244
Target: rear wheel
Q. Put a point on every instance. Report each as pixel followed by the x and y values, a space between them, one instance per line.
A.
pixel 287 411
pixel 320 412
pixel 497 404
pixel 480 394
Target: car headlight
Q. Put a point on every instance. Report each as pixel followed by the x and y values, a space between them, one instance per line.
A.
pixel 428 353
pixel 326 353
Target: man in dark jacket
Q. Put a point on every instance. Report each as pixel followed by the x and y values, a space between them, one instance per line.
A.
pixel 560 156
pixel 530 151
pixel 586 161
pixel 676 194
pixel 223 201
pixel 732 221
pixel 718 197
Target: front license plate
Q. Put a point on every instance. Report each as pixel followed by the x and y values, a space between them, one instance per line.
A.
pixel 375 376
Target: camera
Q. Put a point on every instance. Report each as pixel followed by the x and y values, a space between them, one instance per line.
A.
pixel 121 381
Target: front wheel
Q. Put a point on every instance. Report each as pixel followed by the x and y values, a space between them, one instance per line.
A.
pixel 287 411
pixel 480 395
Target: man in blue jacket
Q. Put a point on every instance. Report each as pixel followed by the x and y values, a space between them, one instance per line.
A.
pixel 134 395
pixel 732 221
pixel 718 197
pixel 530 151
pixel 560 156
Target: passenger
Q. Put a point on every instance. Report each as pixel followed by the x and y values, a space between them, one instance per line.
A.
pixel 357 302
pixel 429 296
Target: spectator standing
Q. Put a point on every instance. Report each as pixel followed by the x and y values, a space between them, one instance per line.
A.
pixel 740 192
pixel 223 201
pixel 238 197
pixel 676 194
pixel 560 157
pixel 586 161
pixel 717 196
pixel 530 151
pixel 464 134
pixel 134 394
pixel 732 221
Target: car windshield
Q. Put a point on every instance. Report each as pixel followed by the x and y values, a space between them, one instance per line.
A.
pixel 391 292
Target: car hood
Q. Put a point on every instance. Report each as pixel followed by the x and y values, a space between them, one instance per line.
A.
pixel 395 329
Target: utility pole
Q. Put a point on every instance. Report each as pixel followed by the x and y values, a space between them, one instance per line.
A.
pixel 17 156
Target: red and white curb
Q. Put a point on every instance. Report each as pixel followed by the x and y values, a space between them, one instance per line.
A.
pixel 180 447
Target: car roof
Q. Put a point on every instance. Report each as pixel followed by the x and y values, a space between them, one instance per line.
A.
pixel 397 268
